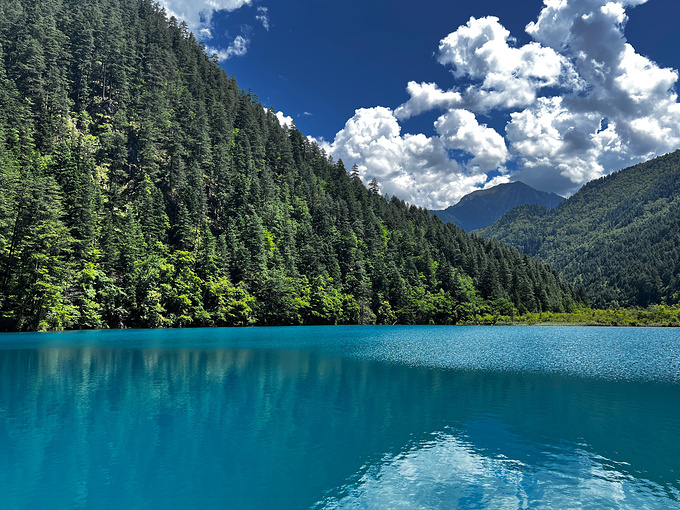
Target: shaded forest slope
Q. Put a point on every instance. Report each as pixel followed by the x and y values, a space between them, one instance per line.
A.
pixel 618 235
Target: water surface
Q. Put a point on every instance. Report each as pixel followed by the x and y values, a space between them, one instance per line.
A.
pixel 341 417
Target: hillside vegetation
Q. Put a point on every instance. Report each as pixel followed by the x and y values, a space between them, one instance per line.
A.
pixel 141 187
pixel 482 207
pixel 618 236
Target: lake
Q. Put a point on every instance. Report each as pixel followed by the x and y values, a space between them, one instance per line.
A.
pixel 341 417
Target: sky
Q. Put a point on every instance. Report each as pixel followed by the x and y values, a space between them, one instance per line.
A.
pixel 437 98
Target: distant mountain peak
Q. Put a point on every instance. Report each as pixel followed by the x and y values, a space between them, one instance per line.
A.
pixel 617 236
pixel 482 207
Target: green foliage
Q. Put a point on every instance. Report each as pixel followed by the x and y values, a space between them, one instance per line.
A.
pixel 230 305
pixel 142 188
pixel 482 207
pixel 617 237
pixel 654 315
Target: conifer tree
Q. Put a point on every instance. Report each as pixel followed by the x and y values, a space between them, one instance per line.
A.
pixel 142 188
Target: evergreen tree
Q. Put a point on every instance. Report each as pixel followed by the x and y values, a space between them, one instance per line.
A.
pixel 142 188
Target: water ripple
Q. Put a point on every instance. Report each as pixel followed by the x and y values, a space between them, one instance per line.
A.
pixel 641 354
pixel 451 473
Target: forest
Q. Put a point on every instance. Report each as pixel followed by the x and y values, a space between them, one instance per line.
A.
pixel 141 187
pixel 617 236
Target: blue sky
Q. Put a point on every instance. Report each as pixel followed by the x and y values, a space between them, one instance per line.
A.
pixel 438 98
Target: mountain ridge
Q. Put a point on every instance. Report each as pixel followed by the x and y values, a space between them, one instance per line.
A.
pixel 618 235
pixel 482 207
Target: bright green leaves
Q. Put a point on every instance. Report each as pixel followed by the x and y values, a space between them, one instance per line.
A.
pixel 230 305
pixel 34 252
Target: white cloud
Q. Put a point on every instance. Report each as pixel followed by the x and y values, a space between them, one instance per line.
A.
pixel 510 77
pixel 237 48
pixel 427 96
pixel 416 168
pixel 581 103
pixel 285 120
pixel 634 95
pixel 558 21
pixel 460 130
pixel 548 137
pixel 323 144
pixel 198 14
pixel 263 17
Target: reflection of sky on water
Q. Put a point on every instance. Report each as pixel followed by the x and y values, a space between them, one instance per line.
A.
pixel 240 423
pixel 449 473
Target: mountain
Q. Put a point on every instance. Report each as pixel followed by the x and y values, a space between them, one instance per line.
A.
pixel 483 207
pixel 618 235
pixel 141 187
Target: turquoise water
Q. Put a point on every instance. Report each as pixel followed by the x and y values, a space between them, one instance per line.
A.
pixel 341 417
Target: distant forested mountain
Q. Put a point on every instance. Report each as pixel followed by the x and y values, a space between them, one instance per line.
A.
pixel 481 208
pixel 619 235
pixel 141 187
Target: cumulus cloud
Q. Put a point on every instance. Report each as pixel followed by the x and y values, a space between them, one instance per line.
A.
pixel 581 103
pixel 323 144
pixel 237 48
pixel 627 92
pixel 548 137
pixel 416 168
pixel 460 130
pixel 427 96
pixel 510 77
pixel 285 120
pixel 505 76
pixel 198 14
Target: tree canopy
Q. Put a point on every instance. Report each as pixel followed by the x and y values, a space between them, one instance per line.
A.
pixel 141 187
pixel 617 236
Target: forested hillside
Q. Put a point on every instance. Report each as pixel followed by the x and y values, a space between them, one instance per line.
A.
pixel 619 235
pixel 482 207
pixel 140 187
